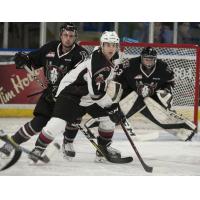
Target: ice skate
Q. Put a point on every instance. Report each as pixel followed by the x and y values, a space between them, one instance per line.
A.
pixel 37 151
pixel 6 150
pixel 68 150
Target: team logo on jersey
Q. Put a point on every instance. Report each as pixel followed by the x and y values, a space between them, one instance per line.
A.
pixel 53 73
pixel 145 89
pixel 50 54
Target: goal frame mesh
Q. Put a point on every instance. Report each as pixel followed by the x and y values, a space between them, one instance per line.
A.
pixel 193 47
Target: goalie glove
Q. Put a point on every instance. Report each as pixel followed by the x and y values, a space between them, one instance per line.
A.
pixel 165 97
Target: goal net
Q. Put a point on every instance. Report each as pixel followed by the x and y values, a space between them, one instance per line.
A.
pixel 184 60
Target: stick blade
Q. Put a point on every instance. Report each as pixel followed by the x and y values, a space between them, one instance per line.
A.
pixel 13 160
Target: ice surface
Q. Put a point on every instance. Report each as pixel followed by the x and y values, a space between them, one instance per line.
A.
pixel 167 155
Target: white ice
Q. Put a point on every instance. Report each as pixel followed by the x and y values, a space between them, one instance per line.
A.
pixel 165 154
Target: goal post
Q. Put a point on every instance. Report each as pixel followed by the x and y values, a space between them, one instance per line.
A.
pixel 184 60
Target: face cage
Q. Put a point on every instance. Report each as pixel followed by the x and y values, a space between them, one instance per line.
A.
pixel 151 57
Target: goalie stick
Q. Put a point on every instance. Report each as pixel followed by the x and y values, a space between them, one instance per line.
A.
pixel 90 136
pixel 128 132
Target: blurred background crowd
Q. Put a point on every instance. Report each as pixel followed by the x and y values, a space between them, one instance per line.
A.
pixel 34 34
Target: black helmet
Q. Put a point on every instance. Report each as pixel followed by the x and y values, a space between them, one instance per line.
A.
pixel 148 52
pixel 68 27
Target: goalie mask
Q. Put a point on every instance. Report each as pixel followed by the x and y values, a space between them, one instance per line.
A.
pixel 148 57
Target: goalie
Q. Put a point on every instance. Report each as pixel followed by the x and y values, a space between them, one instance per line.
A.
pixel 148 83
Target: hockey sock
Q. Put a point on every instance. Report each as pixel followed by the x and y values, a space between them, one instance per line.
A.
pixel 43 140
pixel 104 138
pixel 23 134
pixel 29 129
pixel 70 133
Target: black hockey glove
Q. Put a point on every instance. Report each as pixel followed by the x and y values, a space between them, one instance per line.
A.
pixel 21 59
pixel 115 113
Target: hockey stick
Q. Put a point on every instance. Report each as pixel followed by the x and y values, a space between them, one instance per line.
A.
pixel 33 74
pixel 34 94
pixel 90 136
pixel 17 147
pixel 15 157
pixel 145 166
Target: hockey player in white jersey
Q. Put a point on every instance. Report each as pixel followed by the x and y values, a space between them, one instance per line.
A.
pixel 83 90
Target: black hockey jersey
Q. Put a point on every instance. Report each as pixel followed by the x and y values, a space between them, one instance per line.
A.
pixel 161 77
pixel 55 63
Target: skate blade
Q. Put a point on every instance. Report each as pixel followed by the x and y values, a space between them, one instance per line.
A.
pixel 68 158
pixel 39 162
pixel 68 155
pixel 47 155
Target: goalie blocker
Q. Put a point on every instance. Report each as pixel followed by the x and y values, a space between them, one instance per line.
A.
pixel 158 113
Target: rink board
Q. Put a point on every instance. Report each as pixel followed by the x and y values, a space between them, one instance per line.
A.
pixel 26 110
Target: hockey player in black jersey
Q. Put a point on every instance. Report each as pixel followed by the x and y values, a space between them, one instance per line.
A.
pixel 57 58
pixel 149 83
pixel 83 90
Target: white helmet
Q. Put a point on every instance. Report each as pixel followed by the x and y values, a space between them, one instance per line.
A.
pixel 109 37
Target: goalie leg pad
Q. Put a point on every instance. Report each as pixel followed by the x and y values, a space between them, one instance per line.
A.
pixel 132 104
pixel 167 119
pixel 165 98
